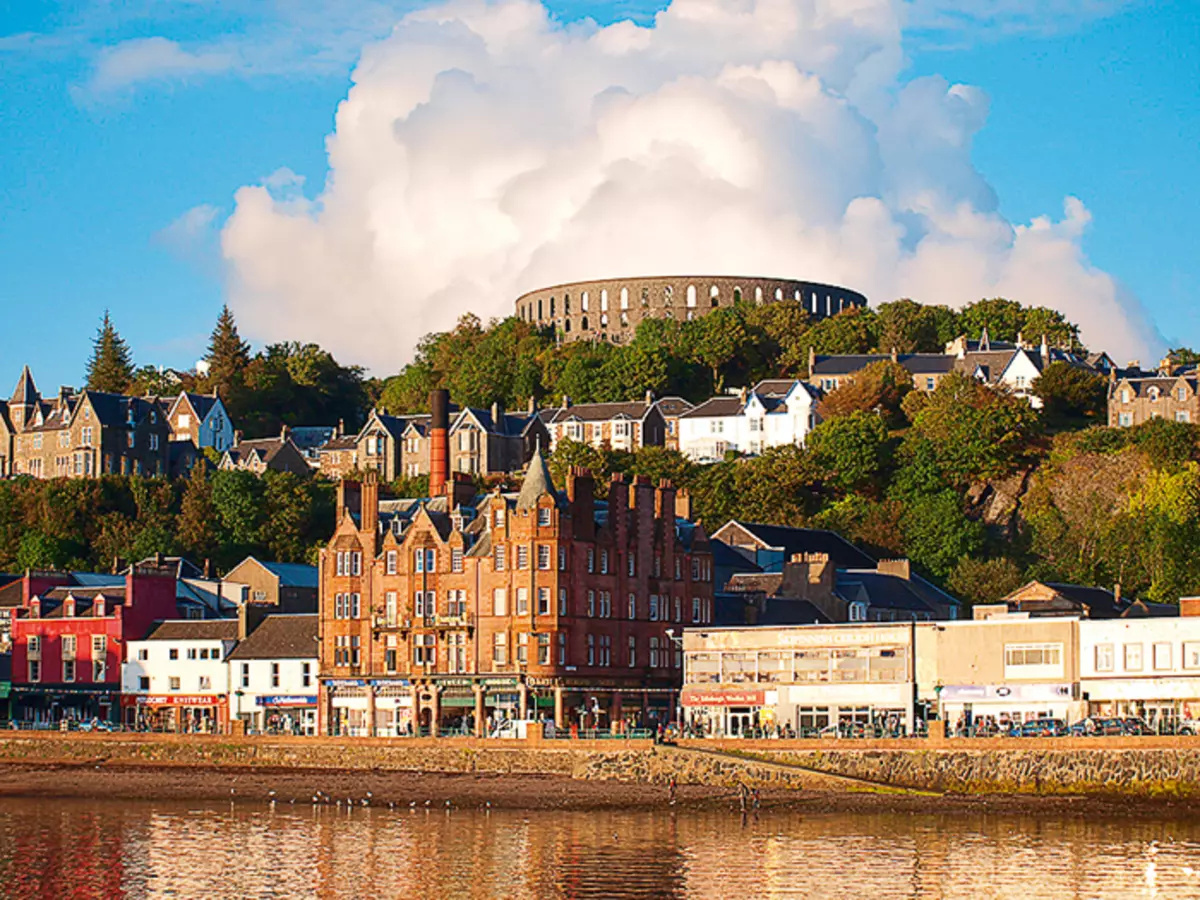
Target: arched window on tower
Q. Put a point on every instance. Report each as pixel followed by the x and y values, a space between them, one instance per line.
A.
pixel 624 298
pixel 566 304
pixel 737 295
pixel 691 295
pixel 584 301
pixel 604 301
pixel 552 307
pixel 539 308
pixel 583 324
pixel 758 296
pixel 567 326
pixel 645 298
pixel 714 294
pixel 778 293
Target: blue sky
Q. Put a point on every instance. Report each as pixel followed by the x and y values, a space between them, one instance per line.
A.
pixel 104 148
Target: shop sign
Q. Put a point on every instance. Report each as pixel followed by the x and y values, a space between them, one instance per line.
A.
pixel 1000 693
pixel 285 700
pixel 5 687
pixel 702 697
pixel 388 682
pixel 454 682
pixel 346 682
pixel 172 700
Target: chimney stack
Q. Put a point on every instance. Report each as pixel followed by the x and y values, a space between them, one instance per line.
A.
pixel 439 442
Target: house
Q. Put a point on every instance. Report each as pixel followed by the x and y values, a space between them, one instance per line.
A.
pixel 1015 366
pixel 338 457
pixel 460 606
pixel 769 547
pixel 276 454
pixel 69 638
pixel 201 419
pixel 285 587
pixel 492 441
pixel 771 414
pixel 671 408
pixel 176 677
pixel 617 426
pixel 83 434
pixel 310 439
pixel 828 373
pixel 1040 599
pixel 199 594
pixel 273 676
pixel 380 447
pixel 1136 399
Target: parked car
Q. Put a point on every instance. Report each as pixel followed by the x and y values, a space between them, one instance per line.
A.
pixel 1095 726
pixel 1040 728
pixel 1134 725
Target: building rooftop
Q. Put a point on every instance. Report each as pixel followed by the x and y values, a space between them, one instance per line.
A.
pixel 280 637
pixel 194 630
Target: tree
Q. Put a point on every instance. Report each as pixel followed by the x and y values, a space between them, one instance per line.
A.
pixel 228 355
pixel 938 534
pixel 1003 319
pixel 196 526
pixel 853 330
pixel 879 388
pixel 568 454
pixel 984 580
pixel 717 340
pixel 148 381
pixel 908 327
pixel 111 367
pixel 1071 394
pixel 851 451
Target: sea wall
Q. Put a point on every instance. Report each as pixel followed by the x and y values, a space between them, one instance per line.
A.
pixel 1147 768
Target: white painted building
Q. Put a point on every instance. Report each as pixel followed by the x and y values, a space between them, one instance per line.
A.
pixel 177 678
pixel 772 414
pixel 1148 668
pixel 273 676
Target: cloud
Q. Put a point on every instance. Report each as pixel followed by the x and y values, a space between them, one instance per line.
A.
pixel 192 237
pixel 486 149
pixel 153 59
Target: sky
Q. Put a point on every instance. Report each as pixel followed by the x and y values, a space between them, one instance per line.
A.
pixel 360 172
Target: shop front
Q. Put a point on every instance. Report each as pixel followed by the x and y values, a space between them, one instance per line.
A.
pixel 728 712
pixel 349 708
pixel 393 707
pixel 48 706
pixel 287 713
pixel 177 713
pixel 978 707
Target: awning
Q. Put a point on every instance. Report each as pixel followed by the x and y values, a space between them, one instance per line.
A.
pixel 719 697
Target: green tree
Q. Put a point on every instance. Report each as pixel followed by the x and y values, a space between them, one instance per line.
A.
pixel 852 451
pixel 853 330
pixel 237 498
pixel 718 340
pixel 1002 318
pixel 909 327
pixel 984 580
pixel 197 524
pixel 879 388
pixel 110 368
pixel 938 534
pixel 228 356
pixel 1071 395
pixel 569 454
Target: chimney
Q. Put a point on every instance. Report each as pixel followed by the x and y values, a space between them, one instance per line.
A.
pixel 208 569
pixel 369 514
pixel 743 396
pixel 895 355
pixel 341 429
pixel 566 402
pixel 1117 594
pixel 683 504
pixel 532 404
pixel 1189 606
pixel 283 432
pixel 237 437
pixel 439 441
pixel 1045 350
pixel 497 416
pixel 649 397
pixel 898 568
pixel 812 360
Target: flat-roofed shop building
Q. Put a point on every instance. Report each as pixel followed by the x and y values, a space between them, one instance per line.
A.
pixel 801 678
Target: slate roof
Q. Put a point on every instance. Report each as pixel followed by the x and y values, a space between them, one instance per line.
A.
pixel 506 424
pixel 882 591
pixel 293 574
pixel 345 442
pixel 194 630
pixel 598 412
pixel 311 437
pixel 26 391
pixel 280 637
pixel 266 448
pixel 672 407
pixel 842 553
pixel 202 404
pixel 536 483
pixel 715 407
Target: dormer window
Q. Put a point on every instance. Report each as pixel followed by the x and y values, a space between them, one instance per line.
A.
pixel 1181 394
pixel 1153 393
pixel 1125 395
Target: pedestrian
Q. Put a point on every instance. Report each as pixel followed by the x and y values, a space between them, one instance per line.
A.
pixel 671 789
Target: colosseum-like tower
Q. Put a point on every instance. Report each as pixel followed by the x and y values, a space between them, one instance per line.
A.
pixel 611 309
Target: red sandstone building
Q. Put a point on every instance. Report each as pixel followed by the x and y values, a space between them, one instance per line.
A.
pixel 460 608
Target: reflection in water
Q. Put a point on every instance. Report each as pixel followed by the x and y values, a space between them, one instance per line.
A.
pixel 87 849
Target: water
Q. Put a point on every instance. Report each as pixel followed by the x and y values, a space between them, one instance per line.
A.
pixel 80 849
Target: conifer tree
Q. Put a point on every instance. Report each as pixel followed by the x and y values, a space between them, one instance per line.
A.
pixel 196 526
pixel 111 367
pixel 228 355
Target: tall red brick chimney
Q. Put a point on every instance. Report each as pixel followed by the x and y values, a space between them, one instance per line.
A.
pixel 439 442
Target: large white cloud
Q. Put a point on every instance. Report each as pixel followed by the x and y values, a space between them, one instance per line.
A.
pixel 485 149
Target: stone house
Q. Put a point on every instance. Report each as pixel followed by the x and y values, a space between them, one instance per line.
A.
pixel 276 454
pixel 380 446
pixel 671 409
pixel 285 587
pixel 201 419
pixel 492 441
pixel 84 434
pixel 618 426
pixel 1134 400
pixel 828 373
pixel 339 457
pixel 468 606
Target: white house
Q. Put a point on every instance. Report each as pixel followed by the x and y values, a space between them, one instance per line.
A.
pixel 772 414
pixel 273 676
pixel 177 678
pixel 1142 667
pixel 202 419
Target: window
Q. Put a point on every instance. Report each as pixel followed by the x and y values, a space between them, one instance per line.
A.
pixel 1133 657
pixel 1182 415
pixel 654 653
pixel 173 653
pixel 1162 656
pixel 1125 420
pixel 246 675
pixel 456 559
pixel 522 601
pixel 632 651
pixel 654 607
pixel 68 669
pixel 605 650
pixel 678 569
pixel 1033 660
pixel 543 601
pixel 425 604
pixel 154 442
pixel 390 608
pixel 35 670
pixel 591 560
pixel 68 647
pixel 173 683
pixel 425 649
pixel 591 650
pixel 391 562
pixel 500 649
pixel 456 603
pixel 543 642
pixel 1104 657
pixel 500 602
pixel 522 557
pixel 143 655
pixel 341 562
pixel 605 605
pixel 633 606
pixel 274 674
pixel 543 552
pixel 498 559
pixel 306 674
pixel 632 561
pixel 695 609
pixel 499 517
pixel 562 559
pixel 591 607
pixel 678 609
pixel 191 654
pixel 695 570
pixel 603 562
pixel 418 560
pixel 930 383
pixel 430 560
pixel 858 611
pixel 390 659
pixel 144 683
pixel 206 683
pixel 543 516
pixel 355 607
pixel 356 559
pixel 562 601
pixel 1191 654
pixel 522 647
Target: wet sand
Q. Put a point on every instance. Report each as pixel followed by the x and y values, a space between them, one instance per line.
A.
pixel 403 789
